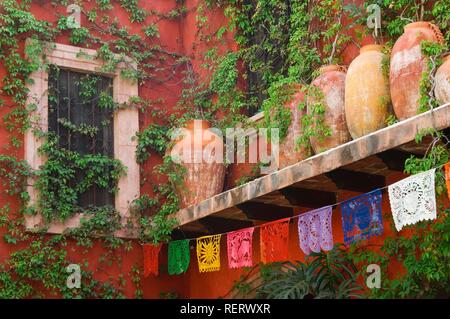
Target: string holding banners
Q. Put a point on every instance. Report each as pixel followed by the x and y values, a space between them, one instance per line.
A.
pixel 411 199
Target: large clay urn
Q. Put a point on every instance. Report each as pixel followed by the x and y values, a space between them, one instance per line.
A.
pixel 367 98
pixel 200 151
pixel 407 66
pixel 331 95
pixel 241 172
pixel 289 150
pixel 442 80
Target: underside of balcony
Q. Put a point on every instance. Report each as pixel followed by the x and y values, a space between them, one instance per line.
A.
pixel 359 166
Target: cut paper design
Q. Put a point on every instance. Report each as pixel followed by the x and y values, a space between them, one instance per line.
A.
pixel 208 253
pixel 413 199
pixel 314 230
pixel 239 244
pixel 151 253
pixel 447 178
pixel 361 217
pixel 179 257
pixel 274 241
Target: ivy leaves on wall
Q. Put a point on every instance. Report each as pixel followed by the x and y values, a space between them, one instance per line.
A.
pixel 281 43
pixel 58 196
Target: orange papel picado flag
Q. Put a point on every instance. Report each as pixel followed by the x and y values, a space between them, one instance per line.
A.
pixel 151 254
pixel 274 241
pixel 447 178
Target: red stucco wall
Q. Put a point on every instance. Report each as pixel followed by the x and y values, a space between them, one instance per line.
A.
pixel 171 40
pixel 180 36
pixel 177 36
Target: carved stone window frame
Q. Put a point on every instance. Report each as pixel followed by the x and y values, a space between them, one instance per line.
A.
pixel 126 124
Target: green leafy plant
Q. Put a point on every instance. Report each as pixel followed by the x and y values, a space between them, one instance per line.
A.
pixel 153 213
pixel 313 122
pixel 434 53
pixel 425 254
pixel 37 269
pixel 396 14
pixel 276 114
pixel 152 138
pixel 329 275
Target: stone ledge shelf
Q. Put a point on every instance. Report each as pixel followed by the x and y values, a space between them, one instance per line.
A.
pixel 395 137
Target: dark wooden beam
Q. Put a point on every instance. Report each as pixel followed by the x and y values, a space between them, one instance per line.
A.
pixel 308 197
pixel 178 234
pixel 222 225
pixel 265 212
pixel 356 181
pixel 394 159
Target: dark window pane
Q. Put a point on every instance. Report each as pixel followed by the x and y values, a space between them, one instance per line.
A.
pixel 76 101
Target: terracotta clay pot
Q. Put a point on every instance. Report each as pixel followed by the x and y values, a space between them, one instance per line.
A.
pixel 442 80
pixel 205 171
pixel 243 172
pixel 367 99
pixel 407 66
pixel 331 83
pixel 289 150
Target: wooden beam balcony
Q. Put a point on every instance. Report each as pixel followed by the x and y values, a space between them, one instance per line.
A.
pixel 360 165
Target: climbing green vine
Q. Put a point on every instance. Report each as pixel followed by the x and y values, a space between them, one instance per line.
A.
pixel 313 122
pixel 39 267
pixel 434 53
pixel 280 44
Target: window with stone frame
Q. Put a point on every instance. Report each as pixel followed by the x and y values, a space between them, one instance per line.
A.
pixel 80 114
pixel 115 90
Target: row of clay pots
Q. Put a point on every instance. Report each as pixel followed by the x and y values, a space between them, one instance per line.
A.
pixel 357 102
